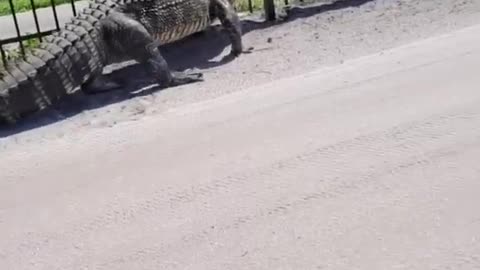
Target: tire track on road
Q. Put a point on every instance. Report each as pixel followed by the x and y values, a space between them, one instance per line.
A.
pixel 365 180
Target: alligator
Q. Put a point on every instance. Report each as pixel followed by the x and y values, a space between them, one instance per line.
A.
pixel 107 32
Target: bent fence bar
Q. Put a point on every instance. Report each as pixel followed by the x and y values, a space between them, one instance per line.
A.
pixel 269 7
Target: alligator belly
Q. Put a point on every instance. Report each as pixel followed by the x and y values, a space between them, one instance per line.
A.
pixel 183 30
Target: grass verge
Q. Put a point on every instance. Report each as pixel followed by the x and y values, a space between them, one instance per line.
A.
pixel 242 5
pixel 24 5
pixel 16 53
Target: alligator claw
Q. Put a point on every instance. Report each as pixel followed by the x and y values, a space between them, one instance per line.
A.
pixel 185 77
pixel 249 50
pixel 236 53
pixel 100 85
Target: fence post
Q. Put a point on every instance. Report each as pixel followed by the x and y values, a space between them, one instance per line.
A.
pixel 55 16
pixel 35 18
pixel 74 10
pixel 4 55
pixel 269 6
pixel 17 28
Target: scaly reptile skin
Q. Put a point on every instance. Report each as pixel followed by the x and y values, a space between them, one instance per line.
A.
pixel 106 32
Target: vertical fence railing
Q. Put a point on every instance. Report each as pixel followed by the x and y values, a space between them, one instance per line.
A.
pixel 17 28
pixel 19 37
pixel 55 16
pixel 268 6
pixel 74 10
pixel 4 55
pixel 35 18
pixel 250 6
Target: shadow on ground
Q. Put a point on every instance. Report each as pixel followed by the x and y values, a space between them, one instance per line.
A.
pixel 193 52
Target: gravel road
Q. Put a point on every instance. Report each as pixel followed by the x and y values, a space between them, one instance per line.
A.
pixel 315 37
pixel 347 142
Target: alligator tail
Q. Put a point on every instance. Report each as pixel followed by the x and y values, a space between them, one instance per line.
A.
pixel 59 66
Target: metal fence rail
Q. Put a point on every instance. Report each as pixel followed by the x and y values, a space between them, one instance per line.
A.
pixel 20 38
pixel 39 33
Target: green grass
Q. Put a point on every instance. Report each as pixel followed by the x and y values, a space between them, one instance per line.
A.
pixel 24 5
pixel 16 54
pixel 28 45
pixel 242 5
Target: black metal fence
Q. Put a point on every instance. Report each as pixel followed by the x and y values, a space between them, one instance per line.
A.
pixel 20 38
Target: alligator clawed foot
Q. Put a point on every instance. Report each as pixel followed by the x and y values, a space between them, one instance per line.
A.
pixel 237 53
pixel 100 85
pixel 248 50
pixel 185 77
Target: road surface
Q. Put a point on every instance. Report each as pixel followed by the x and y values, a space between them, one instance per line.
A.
pixel 372 164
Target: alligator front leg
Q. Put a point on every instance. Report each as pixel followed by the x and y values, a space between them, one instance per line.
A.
pixel 128 36
pixel 225 11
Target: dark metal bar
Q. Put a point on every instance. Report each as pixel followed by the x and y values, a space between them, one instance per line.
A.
pixel 14 16
pixel 250 6
pixel 73 7
pixel 55 17
pixel 4 56
pixel 35 17
pixel 286 2
pixel 269 7
pixel 25 37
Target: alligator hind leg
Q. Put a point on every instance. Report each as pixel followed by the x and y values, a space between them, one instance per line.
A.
pixel 100 84
pixel 126 36
pixel 225 11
